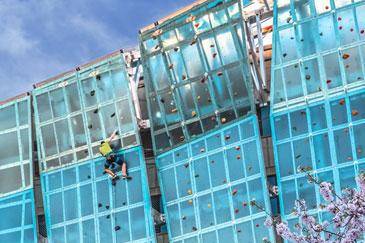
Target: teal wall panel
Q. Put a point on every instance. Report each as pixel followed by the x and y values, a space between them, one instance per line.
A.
pixel 196 72
pixel 207 186
pixel 82 205
pixel 17 208
pixel 76 111
pixel 318 95
pixel 18 221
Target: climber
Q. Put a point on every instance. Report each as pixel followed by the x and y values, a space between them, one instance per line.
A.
pixel 112 160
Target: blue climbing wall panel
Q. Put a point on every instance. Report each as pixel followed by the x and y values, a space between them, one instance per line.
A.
pixel 207 186
pixel 196 71
pixel 318 96
pixel 81 205
pixel 76 110
pixel 17 212
pixel 18 223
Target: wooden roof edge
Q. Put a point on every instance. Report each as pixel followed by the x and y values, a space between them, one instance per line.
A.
pixel 82 66
pixel 172 15
pixel 3 102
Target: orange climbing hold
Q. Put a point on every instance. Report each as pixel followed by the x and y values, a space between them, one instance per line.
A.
pixel 342 102
pixel 355 112
pixel 345 56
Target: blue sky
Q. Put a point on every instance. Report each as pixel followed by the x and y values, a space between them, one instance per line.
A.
pixel 42 38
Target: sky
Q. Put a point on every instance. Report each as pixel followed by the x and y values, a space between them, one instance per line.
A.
pixel 42 38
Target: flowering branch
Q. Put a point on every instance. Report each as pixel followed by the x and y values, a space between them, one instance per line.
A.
pixel 348 215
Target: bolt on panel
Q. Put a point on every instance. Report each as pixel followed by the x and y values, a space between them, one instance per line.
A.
pixel 77 111
pixel 207 186
pixel 82 205
pixel 318 98
pixel 196 72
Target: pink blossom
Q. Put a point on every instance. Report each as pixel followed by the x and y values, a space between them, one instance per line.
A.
pixel 325 188
pixel 268 222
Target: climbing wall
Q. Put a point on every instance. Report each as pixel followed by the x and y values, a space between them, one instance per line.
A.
pixel 78 109
pixel 81 205
pixel 17 210
pixel 318 97
pixel 74 112
pixel 196 71
pixel 207 186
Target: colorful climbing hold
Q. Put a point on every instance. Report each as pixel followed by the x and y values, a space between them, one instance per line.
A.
pixel 355 112
pixel 342 101
pixel 234 192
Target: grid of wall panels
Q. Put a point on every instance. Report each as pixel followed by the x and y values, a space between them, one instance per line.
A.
pixel 18 223
pixel 16 153
pixel 75 112
pixel 81 204
pixel 197 72
pixel 318 97
pixel 318 49
pixel 207 186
